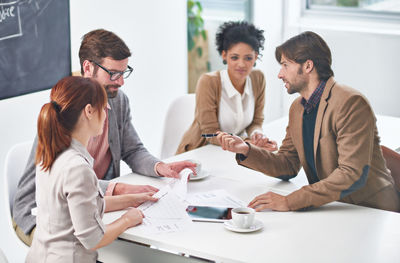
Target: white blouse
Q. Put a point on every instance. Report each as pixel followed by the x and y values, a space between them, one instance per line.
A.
pixel 236 111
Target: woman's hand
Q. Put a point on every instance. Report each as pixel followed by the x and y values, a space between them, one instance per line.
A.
pixel 261 141
pixel 256 137
pixel 138 199
pixel 122 188
pixel 119 202
pixel 133 217
pixel 232 143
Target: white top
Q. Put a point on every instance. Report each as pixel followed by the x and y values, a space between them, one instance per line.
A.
pixel 236 111
pixel 70 209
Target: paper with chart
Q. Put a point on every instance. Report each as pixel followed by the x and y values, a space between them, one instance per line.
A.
pixel 218 198
pixel 168 214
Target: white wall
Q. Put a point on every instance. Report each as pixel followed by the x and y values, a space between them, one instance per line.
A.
pixel 155 31
pixel 267 15
pixel 365 52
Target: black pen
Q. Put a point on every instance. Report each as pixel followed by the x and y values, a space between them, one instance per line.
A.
pixel 209 135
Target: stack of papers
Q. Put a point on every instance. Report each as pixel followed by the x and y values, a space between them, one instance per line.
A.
pixel 169 214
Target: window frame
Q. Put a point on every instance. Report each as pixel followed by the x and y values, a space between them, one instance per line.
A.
pixel 349 12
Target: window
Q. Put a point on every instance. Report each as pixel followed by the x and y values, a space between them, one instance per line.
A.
pixel 225 10
pixel 372 7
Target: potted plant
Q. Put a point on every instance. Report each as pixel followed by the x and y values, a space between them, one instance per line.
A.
pixel 197 44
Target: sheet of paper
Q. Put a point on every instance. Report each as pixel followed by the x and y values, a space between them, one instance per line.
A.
pixel 158 226
pixel 168 214
pixel 179 186
pixel 218 198
pixel 168 206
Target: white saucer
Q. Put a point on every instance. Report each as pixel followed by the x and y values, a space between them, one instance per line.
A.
pixel 255 227
pixel 203 174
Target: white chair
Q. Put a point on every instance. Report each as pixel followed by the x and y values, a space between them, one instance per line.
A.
pixel 3 258
pixel 180 116
pixel 15 163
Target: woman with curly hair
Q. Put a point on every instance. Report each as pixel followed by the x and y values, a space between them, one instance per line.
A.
pixel 231 100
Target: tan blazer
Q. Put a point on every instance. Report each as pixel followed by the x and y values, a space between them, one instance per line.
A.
pixel 208 96
pixel 348 157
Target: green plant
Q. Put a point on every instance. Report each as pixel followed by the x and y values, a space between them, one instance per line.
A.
pixel 195 25
pixel 348 3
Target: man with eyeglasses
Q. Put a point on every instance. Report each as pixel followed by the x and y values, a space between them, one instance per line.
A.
pixel 103 57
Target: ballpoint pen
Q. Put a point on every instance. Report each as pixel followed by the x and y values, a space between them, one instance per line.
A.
pixel 209 135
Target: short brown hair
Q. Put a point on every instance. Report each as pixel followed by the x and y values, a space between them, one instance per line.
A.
pixel 308 46
pixel 58 118
pixel 99 44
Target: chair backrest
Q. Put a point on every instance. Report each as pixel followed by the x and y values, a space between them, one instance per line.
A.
pixel 15 163
pixel 3 258
pixel 179 117
pixel 393 164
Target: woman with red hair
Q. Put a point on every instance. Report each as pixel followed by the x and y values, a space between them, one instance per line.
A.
pixel 70 203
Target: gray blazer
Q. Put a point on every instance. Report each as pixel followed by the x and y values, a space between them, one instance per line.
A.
pixel 124 144
pixel 70 207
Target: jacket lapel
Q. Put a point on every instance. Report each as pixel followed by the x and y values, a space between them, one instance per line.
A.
pixel 113 132
pixel 296 125
pixel 321 111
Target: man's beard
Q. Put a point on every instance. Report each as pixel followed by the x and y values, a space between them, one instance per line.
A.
pixel 299 86
pixel 111 94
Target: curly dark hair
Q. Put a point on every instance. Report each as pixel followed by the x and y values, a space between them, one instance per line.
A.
pixel 231 33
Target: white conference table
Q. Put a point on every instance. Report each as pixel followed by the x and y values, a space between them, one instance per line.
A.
pixel 336 232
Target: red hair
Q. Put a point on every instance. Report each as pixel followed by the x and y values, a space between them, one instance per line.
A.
pixel 57 119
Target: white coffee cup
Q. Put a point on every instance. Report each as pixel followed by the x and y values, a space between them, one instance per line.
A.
pixel 243 217
pixel 198 166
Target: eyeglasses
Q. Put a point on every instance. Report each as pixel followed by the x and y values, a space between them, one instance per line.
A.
pixel 114 75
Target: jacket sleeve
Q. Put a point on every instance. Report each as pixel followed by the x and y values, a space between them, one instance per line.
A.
pixel 207 106
pixel 284 164
pixel 80 189
pixel 259 98
pixel 353 138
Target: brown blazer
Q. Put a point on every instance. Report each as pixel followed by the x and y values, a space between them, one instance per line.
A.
pixel 348 157
pixel 208 96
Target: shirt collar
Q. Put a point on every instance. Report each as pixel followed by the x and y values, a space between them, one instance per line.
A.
pixel 76 145
pixel 313 101
pixel 228 86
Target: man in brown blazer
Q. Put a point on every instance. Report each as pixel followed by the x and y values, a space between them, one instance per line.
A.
pixel 331 133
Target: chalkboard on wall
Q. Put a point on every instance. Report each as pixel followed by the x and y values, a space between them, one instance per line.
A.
pixel 35 46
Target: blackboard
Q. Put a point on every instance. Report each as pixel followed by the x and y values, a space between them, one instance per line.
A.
pixel 35 45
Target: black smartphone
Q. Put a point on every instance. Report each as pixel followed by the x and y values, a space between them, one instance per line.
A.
pixel 209 213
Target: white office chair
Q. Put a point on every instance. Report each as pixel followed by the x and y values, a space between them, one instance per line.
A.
pixel 15 163
pixel 3 258
pixel 180 116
